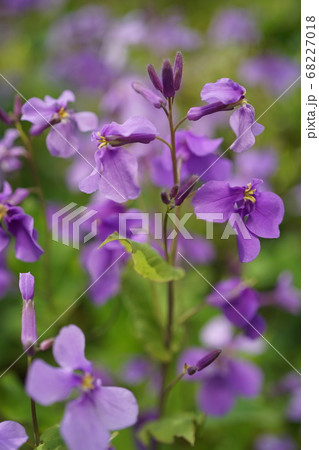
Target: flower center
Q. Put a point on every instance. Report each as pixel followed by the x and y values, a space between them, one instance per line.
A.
pixel 249 193
pixel 3 211
pixel 63 113
pixel 102 141
pixel 87 382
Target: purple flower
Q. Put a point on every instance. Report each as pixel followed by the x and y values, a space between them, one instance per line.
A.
pixel 14 221
pixel 272 442
pixel 291 385
pixel 241 307
pixel 5 276
pixel 12 435
pixel 224 95
pixel 87 419
pixel 251 214
pixel 255 163
pixel 135 129
pixel 226 379
pixel 9 153
pixel 62 139
pixel 245 127
pixel 285 294
pixel 234 26
pixel 195 155
pixel 275 72
pixel 28 324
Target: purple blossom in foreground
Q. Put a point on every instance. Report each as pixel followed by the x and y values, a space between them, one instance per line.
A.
pixel 10 153
pixel 89 418
pixel 272 442
pixel 234 25
pixel 243 124
pixel 116 170
pixel 228 377
pixel 251 214
pixel 12 435
pixel 28 324
pixel 14 221
pixel 195 154
pixel 62 139
pixel 240 307
pixel 224 95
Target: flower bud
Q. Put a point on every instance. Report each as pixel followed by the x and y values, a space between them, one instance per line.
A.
pixel 203 362
pixel 4 117
pixel 17 106
pixel 46 344
pixel 28 322
pixel 186 190
pixel 154 78
pixel 164 197
pixel 168 80
pixel 178 71
pixel 174 191
pixel 149 95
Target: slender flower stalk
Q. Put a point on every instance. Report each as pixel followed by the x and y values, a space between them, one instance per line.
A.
pixel 34 414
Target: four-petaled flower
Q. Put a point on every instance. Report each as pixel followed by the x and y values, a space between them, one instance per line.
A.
pixel 88 418
pixel 251 214
pixel 62 139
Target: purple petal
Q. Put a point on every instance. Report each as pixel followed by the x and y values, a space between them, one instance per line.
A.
pixel 118 176
pixel 68 349
pixel 216 397
pixel 4 239
pixel 268 214
pixel 66 97
pixel 243 308
pixel 12 435
pixel 86 121
pixel 248 249
pixel 224 90
pixel 245 378
pixel 62 140
pixel 82 427
pixel 190 357
pixel 20 225
pixel 39 113
pixel 218 332
pixel 26 286
pixel 216 197
pixel 242 121
pixel 210 167
pixel 135 129
pixel 46 384
pixel 9 137
pixel 201 145
pixel 149 95
pixel 256 327
pixel 117 406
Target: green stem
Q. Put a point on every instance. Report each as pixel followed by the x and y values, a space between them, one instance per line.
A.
pixel 34 415
pixel 180 123
pixel 47 240
pixel 163 140
pixel 191 312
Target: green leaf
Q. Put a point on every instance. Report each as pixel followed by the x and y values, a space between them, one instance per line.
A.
pixel 166 430
pixel 147 262
pixel 51 440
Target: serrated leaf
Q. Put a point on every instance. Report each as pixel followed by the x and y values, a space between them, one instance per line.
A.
pixel 51 440
pixel 147 262
pixel 168 429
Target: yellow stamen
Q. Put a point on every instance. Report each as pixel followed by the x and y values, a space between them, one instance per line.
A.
pixel 63 113
pixel 249 193
pixel 3 211
pixel 87 382
pixel 103 142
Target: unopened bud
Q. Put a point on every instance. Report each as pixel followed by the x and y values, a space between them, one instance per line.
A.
pixel 17 106
pixel 178 71
pixel 174 191
pixel 204 362
pixel 168 79
pixel 164 197
pixel 46 344
pixel 186 189
pixel 154 78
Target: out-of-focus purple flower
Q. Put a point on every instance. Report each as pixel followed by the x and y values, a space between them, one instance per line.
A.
pixel 62 139
pixel 272 442
pixel 252 214
pixel 224 95
pixel 14 221
pixel 234 25
pixel 29 333
pixel 285 294
pixel 245 127
pixel 226 379
pixel 240 307
pixel 12 435
pixel 136 370
pixel 9 153
pixel 261 164
pixel 135 129
pixel 89 418
pixel 196 156
pixel 291 385
pixel 13 117
pixel 143 419
pixel 274 72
